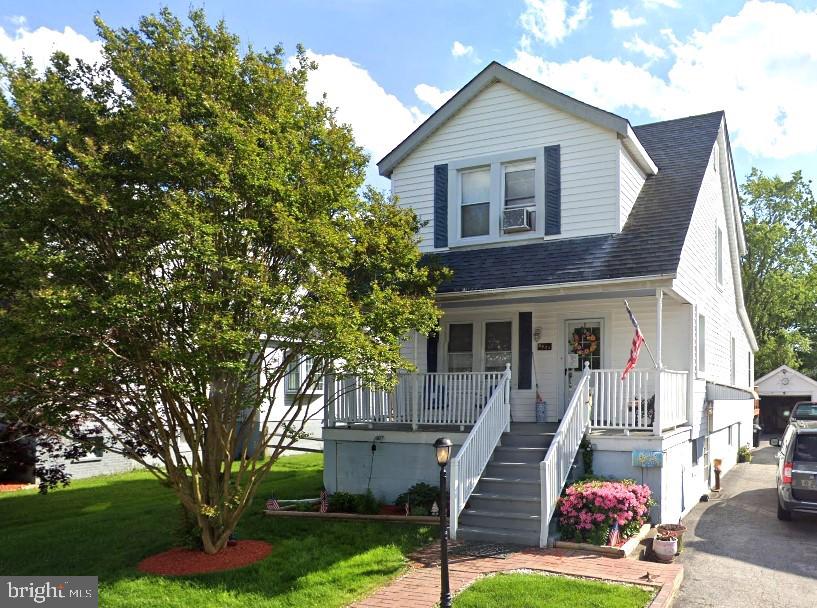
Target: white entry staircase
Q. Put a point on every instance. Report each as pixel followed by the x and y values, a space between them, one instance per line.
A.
pixel 507 477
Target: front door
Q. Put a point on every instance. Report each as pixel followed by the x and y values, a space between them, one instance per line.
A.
pixel 582 345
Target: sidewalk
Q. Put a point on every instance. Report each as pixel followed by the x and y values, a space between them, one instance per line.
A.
pixel 420 587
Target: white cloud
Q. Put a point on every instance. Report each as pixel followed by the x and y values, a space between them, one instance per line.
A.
pixel 432 95
pixel 649 50
pixel 759 65
pixel 379 120
pixel 551 21
pixel 41 43
pixel 621 18
pixel 458 49
pixel 657 3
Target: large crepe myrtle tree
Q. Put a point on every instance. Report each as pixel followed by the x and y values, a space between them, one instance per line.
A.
pixel 178 226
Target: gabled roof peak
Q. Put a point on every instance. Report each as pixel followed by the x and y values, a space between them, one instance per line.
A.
pixel 496 72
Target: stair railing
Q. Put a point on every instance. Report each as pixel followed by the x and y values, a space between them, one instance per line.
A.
pixel 471 459
pixel 555 468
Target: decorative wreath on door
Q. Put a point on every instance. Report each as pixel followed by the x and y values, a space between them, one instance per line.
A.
pixel 584 342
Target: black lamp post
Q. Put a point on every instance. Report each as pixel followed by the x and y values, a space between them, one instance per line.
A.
pixel 442 449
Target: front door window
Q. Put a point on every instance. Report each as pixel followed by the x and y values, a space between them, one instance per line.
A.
pixel 498 349
pixel 582 345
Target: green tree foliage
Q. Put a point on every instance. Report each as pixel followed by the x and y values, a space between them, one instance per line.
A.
pixel 179 224
pixel 779 279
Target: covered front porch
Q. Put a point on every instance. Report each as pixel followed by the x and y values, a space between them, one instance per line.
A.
pixel 535 350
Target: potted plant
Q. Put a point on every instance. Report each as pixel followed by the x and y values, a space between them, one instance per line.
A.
pixel 665 546
pixel 676 530
pixel 744 454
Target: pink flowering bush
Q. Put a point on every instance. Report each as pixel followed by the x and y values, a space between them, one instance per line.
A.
pixel 589 510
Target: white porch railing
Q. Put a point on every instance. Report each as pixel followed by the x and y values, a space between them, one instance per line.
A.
pixel 555 468
pixel 439 398
pixel 646 400
pixel 673 400
pixel 467 466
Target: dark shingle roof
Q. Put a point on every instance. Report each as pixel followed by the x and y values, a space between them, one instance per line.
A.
pixel 650 243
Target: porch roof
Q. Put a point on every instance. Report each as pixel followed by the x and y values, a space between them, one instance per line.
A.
pixel 649 245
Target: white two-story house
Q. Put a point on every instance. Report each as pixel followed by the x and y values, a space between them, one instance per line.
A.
pixel 552 213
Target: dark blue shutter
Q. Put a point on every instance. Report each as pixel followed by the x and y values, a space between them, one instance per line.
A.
pixel 431 353
pixel 553 190
pixel 525 349
pixel 441 205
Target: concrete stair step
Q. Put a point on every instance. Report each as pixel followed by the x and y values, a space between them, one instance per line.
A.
pixel 519 454
pixel 509 487
pixel 534 427
pixel 524 522
pixel 512 470
pixel 526 440
pixel 482 500
pixel 499 535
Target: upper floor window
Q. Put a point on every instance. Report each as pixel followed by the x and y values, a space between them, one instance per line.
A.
pixel 719 255
pixel 475 202
pixel 496 198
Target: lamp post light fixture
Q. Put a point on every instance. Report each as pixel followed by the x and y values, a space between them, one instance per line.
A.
pixel 442 450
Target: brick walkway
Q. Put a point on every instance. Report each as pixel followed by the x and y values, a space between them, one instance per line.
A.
pixel 420 587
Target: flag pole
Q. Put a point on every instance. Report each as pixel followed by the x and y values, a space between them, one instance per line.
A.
pixel 649 351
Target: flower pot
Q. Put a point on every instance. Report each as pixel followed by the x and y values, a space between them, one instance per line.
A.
pixel 665 548
pixel 674 530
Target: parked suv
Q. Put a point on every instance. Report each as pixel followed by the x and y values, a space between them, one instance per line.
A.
pixel 797 469
pixel 804 410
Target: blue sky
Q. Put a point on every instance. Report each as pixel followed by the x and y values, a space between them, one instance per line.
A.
pixel 387 65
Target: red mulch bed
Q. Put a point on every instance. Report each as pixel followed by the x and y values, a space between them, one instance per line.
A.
pixel 185 562
pixel 6 486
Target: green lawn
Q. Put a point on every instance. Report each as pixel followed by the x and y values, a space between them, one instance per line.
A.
pixel 104 526
pixel 540 591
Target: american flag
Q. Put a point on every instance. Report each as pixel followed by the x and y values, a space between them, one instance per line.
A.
pixel 615 536
pixel 272 504
pixel 324 501
pixel 635 348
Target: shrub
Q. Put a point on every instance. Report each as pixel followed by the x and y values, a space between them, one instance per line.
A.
pixel 420 495
pixel 589 510
pixel 367 503
pixel 744 454
pixel 343 502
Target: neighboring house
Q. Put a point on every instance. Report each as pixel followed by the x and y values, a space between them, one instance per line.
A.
pixel 551 213
pixel 779 390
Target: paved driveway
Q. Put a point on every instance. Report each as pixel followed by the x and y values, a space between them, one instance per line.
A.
pixel 737 553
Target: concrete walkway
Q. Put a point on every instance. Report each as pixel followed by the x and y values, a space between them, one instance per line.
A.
pixel 737 554
pixel 420 587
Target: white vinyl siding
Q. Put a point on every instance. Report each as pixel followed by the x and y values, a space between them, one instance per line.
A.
pixel 697 281
pixel 719 255
pixel 632 180
pixel 701 344
pixel 503 120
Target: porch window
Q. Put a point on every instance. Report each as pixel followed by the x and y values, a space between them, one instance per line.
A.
pixel 498 349
pixel 461 347
pixel 293 376
pixel 475 188
pixel 701 343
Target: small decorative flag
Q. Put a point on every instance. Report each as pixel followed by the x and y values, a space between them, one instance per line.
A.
pixel 635 348
pixel 272 504
pixel 324 501
pixel 615 536
pixel 435 510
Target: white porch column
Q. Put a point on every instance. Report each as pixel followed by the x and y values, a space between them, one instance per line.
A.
pixel 659 360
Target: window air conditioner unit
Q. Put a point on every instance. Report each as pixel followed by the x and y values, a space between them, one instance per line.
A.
pixel 516 220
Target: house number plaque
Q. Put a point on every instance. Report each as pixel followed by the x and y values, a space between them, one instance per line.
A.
pixel 544 346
